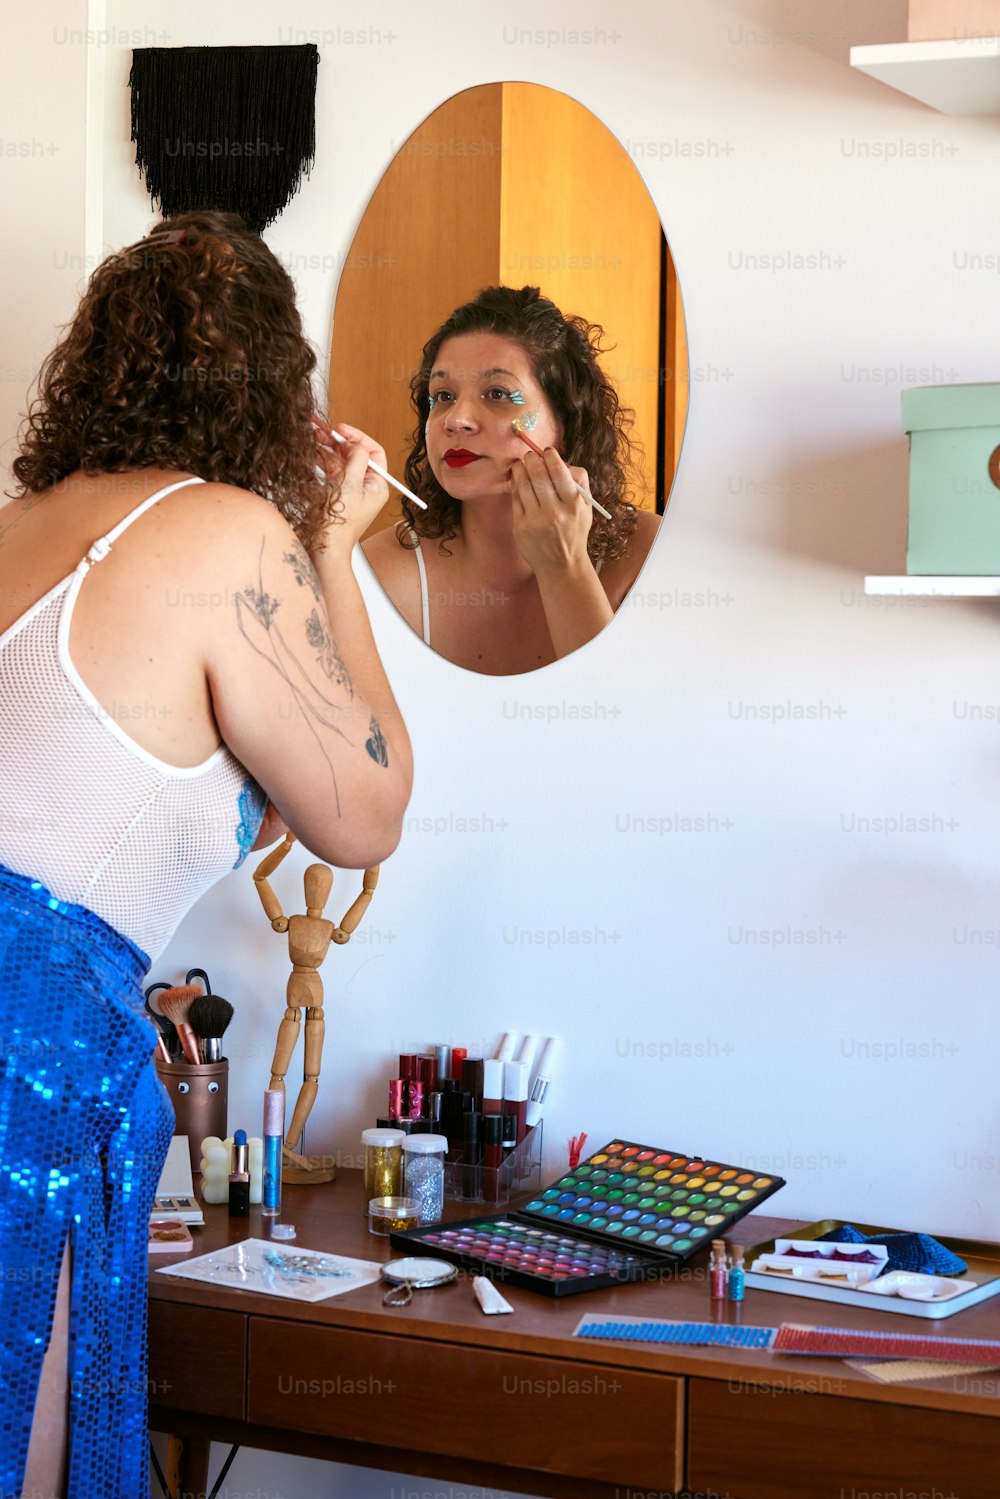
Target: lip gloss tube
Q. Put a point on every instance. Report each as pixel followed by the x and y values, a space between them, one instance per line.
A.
pixel 274 1129
pixel 515 1092
pixel 492 1087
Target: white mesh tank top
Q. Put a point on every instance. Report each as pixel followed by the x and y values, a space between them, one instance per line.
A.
pixel 89 812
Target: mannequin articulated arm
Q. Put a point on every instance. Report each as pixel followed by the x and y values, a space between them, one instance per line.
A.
pixel 268 899
pixel 351 920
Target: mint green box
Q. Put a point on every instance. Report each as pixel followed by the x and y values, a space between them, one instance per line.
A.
pixel 954 526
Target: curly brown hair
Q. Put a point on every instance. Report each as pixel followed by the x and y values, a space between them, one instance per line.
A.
pixel 564 353
pixel 186 352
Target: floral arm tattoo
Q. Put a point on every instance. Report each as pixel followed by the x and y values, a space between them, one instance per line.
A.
pixel 255 614
pixel 327 655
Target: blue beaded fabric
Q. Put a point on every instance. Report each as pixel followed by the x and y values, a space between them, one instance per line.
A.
pixel 84 1130
pixel 915 1252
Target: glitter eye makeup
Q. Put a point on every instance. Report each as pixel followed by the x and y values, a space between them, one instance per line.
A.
pixel 591 1228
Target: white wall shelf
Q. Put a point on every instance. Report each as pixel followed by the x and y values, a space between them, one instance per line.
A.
pixel 957 77
pixel 931 587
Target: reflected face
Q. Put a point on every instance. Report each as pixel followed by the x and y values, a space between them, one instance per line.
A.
pixel 479 384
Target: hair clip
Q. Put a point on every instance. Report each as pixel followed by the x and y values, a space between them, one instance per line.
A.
pixel 165 237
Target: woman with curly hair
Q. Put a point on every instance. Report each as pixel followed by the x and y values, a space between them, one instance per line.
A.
pixel 525 570
pixel 186 670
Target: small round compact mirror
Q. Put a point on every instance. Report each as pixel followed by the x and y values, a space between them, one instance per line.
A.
pixel 414 1274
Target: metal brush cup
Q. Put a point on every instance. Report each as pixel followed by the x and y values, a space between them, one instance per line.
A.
pixel 200 1096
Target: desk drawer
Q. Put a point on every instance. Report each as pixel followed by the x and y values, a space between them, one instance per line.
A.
pixel 197 1359
pixel 554 1415
pixel 755 1441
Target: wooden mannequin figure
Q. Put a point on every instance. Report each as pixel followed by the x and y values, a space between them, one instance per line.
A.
pixel 309 939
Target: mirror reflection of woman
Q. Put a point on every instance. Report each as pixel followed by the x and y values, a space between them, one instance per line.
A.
pixel 510 568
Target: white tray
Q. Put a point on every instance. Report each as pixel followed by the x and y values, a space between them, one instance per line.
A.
pixel 983 1260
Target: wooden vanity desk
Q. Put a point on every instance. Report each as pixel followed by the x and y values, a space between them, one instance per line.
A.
pixel 515 1403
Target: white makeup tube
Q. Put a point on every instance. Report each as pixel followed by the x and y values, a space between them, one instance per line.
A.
pixel 539 1093
pixel 506 1051
pixel 526 1056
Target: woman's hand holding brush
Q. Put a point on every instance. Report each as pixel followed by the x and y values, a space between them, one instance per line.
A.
pixel 343 446
pixel 552 515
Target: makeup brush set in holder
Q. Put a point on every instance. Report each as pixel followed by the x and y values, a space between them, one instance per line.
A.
pixel 189 1059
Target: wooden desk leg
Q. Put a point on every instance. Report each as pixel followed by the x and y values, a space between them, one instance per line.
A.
pixel 187 1467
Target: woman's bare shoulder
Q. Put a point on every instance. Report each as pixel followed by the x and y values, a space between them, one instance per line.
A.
pixel 222 528
pixel 618 576
pixel 384 549
pixel 395 567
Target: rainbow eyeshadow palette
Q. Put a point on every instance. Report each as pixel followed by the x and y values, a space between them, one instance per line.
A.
pixel 626 1212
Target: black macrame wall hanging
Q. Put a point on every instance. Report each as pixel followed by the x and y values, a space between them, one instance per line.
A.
pixel 227 128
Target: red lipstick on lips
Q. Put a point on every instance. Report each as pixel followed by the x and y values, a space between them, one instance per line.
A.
pixel 459 457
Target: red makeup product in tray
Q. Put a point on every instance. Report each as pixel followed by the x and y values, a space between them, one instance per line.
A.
pixel 625 1212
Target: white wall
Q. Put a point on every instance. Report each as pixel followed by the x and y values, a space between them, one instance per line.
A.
pixel 781 988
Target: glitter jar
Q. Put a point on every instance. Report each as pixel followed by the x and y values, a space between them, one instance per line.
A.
pixel 383 1163
pixel 388 1215
pixel 423 1174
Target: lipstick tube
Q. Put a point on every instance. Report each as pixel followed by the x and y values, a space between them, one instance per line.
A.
pixel 443 1054
pixel 429 1074
pixel 396 1085
pixel 239 1178
pixel 458 1056
pixel 415 1098
pixel 472 1079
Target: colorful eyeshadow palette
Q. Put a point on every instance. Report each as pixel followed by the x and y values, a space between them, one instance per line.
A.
pixel 626 1211
pixel 518 1253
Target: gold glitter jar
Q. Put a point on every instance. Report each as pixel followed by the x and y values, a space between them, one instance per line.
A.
pixel 383 1163
pixel 388 1215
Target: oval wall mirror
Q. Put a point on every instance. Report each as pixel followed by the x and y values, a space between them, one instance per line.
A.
pixel 510 278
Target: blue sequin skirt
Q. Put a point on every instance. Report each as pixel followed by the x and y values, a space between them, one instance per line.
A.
pixel 84 1130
